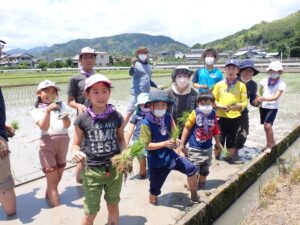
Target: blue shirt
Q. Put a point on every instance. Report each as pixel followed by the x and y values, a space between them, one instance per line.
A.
pixel 141 78
pixel 207 77
pixel 137 119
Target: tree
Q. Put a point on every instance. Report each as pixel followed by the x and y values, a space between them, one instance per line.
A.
pixel 68 62
pixel 43 64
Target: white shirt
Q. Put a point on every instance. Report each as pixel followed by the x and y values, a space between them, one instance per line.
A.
pixel 270 91
pixel 56 125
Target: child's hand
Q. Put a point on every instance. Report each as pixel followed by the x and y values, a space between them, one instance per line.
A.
pixel 78 156
pixel 235 107
pixel 180 149
pixel 218 146
pixel 52 107
pixel 170 144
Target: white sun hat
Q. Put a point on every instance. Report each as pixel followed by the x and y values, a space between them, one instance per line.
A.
pixel 275 65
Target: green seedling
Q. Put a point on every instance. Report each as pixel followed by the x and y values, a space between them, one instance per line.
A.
pixel 15 124
pixel 185 115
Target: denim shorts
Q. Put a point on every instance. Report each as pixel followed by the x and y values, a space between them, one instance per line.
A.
pixel 94 181
pixel 201 158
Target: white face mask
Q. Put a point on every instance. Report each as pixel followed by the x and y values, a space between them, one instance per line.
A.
pixel 274 75
pixel 143 57
pixel 159 112
pixel 206 109
pixel 209 60
pixel 182 82
pixel 144 109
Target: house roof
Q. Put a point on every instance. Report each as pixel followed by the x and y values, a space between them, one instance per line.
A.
pixel 19 55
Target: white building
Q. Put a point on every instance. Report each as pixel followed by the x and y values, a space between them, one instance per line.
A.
pixel 102 59
pixel 20 59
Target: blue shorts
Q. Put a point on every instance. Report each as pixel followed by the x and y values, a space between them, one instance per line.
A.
pixel 267 115
pixel 157 176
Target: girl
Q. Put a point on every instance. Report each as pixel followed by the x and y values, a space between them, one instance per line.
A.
pixel 54 122
pixel 101 127
pixel 135 126
pixel 271 89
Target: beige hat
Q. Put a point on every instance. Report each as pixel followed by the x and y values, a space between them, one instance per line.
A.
pixel 96 78
pixel 210 51
pixel 87 50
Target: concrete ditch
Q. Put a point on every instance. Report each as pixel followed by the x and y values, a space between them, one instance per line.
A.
pixel 227 193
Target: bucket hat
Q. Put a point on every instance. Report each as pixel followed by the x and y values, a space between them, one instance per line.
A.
pixel 159 96
pixel 142 98
pixel 247 63
pixel 275 65
pixel 181 70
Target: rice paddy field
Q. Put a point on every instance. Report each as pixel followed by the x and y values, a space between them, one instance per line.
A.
pixel 20 98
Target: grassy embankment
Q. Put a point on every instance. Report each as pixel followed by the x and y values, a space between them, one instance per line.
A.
pixel 32 78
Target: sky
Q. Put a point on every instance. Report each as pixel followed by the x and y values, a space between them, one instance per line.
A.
pixel 33 23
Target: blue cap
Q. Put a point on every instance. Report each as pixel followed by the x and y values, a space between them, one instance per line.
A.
pixel 232 62
pixel 247 63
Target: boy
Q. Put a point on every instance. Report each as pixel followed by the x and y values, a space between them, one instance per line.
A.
pixel 199 128
pixel 231 99
pixel 205 78
pixel 161 156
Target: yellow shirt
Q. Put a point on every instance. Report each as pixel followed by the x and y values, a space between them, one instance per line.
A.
pixel 236 95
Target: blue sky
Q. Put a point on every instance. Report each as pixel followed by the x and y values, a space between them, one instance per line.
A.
pixel 32 23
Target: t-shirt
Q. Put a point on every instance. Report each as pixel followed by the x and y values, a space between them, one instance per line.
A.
pixel 251 91
pixel 141 77
pixel 207 77
pixel 100 141
pixel 268 91
pixel 200 139
pixel 136 119
pixel 76 89
pixel 182 102
pixel 2 117
pixel 56 125
pixel 236 94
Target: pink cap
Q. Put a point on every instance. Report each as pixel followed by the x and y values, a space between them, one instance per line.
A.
pixel 96 78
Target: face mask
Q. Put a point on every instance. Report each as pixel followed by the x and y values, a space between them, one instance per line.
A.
pixel 209 60
pixel 143 57
pixel 159 112
pixel 206 109
pixel 274 75
pixel 144 109
pixel 182 82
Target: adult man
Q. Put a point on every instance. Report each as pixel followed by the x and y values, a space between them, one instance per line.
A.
pixel 205 78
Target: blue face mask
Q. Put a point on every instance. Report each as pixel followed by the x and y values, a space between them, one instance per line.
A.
pixel 274 75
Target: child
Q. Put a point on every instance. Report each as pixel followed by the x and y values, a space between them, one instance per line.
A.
pixel 200 127
pixel 271 89
pixel 101 127
pixel 247 72
pixel 161 156
pixel 141 73
pixel 54 143
pixel 205 78
pixel 135 127
pixel 231 99
pixel 182 93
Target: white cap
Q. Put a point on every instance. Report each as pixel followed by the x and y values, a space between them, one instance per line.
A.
pixel 87 50
pixel 142 98
pixel 46 84
pixel 275 65
pixel 96 78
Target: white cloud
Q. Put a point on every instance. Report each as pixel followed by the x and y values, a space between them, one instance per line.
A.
pixel 34 23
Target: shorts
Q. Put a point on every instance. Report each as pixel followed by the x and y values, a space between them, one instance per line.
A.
pixel 267 115
pixel 157 176
pixel 201 159
pixel 53 151
pixel 94 181
pixel 6 179
pixel 229 130
pixel 131 104
pixel 243 130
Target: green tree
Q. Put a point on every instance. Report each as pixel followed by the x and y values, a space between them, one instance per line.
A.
pixel 43 64
pixel 69 62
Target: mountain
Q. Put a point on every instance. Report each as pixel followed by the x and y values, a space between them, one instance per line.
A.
pixel 282 35
pixel 122 44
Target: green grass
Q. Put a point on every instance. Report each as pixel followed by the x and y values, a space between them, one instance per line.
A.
pixel 32 78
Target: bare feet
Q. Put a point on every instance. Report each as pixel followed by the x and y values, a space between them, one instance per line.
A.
pixel 268 150
pixel 153 199
pixel 195 197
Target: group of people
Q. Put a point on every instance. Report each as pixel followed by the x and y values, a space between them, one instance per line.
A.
pixel 215 108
